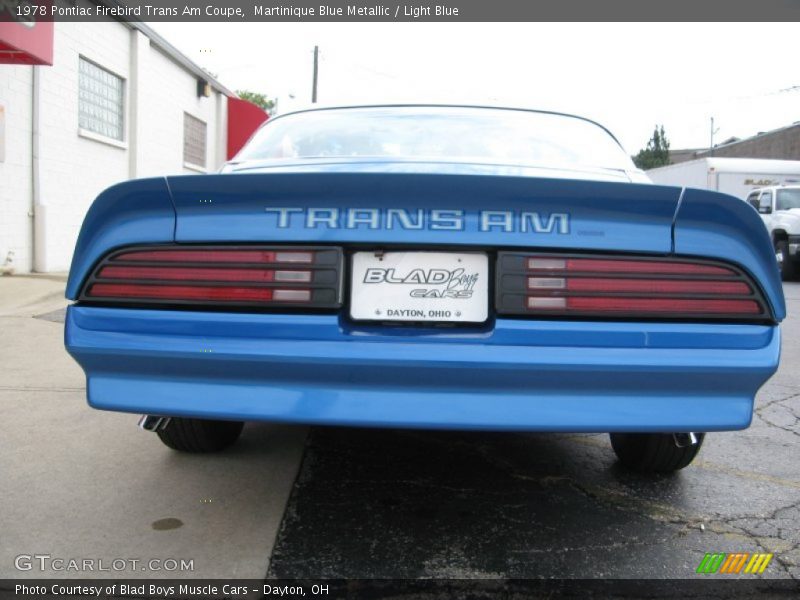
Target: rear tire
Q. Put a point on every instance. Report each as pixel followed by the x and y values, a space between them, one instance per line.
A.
pixel 786 263
pixel 653 452
pixel 200 435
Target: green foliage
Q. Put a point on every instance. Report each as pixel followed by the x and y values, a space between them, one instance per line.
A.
pixel 656 153
pixel 268 104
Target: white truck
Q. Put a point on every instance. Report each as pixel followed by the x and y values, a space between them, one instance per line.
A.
pixel 735 176
pixel 772 187
pixel 779 207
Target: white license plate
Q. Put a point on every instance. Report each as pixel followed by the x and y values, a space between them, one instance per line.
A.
pixel 420 286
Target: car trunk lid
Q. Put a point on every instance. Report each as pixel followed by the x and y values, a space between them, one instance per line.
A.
pixel 424 209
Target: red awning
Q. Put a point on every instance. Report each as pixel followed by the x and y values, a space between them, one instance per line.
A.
pixel 243 119
pixel 26 43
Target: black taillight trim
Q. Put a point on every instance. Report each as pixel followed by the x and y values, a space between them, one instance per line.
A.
pixel 326 285
pixel 511 300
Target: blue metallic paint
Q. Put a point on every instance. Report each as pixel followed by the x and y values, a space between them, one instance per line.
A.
pixel 604 216
pixel 721 226
pixel 508 374
pixel 135 212
pixel 513 374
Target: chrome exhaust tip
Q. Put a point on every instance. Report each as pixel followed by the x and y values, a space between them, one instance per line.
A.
pixel 684 440
pixel 153 423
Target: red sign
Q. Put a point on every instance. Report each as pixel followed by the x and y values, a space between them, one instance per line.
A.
pixel 25 42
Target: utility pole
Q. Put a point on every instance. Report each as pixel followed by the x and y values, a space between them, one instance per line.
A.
pixel 711 141
pixel 316 73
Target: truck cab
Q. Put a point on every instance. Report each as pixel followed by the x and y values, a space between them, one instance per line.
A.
pixel 779 207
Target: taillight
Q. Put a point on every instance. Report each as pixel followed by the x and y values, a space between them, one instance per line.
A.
pixel 621 287
pixel 219 275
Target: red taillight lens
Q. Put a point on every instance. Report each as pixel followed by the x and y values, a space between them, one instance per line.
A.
pixel 203 274
pixel 179 292
pixel 261 257
pixel 649 286
pixel 591 265
pixel 308 277
pixel 624 287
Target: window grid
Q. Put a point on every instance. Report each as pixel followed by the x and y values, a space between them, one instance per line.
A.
pixel 194 140
pixel 100 101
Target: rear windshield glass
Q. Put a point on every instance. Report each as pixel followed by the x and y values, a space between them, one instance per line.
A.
pixel 438 133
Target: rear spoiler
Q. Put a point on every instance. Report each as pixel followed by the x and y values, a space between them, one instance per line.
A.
pixel 129 213
pixel 715 225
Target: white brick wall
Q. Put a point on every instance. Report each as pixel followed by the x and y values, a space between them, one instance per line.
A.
pixel 15 170
pixel 162 135
pixel 74 169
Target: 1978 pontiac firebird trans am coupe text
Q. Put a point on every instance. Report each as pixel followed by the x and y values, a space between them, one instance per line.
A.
pixel 427 267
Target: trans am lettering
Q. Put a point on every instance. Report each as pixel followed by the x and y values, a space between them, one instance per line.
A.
pixel 506 221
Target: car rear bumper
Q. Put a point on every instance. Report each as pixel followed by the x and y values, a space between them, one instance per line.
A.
pixel 510 375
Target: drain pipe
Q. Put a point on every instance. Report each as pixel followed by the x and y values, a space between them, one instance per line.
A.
pixel 36 257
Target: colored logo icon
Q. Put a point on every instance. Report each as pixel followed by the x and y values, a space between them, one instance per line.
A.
pixel 734 563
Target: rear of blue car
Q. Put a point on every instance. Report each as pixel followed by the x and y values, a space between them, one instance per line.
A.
pixel 382 293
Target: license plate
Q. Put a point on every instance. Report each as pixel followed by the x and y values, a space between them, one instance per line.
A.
pixel 420 286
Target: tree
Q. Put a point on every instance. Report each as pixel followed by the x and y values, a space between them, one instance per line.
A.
pixel 261 100
pixel 656 153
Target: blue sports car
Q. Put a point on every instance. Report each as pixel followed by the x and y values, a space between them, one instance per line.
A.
pixel 435 267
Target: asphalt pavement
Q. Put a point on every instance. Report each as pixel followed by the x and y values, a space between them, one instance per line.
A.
pixel 334 502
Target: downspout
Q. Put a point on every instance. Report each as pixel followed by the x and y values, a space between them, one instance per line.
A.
pixel 7 266
pixel 36 212
pixel 133 103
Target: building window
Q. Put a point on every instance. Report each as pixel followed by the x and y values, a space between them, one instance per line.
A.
pixel 194 141
pixel 101 101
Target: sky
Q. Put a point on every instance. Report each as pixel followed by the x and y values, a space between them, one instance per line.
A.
pixel 629 76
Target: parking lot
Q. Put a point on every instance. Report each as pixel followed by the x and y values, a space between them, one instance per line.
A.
pixel 292 502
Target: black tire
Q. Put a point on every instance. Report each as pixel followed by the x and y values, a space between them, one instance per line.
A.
pixel 200 435
pixel 787 264
pixel 653 452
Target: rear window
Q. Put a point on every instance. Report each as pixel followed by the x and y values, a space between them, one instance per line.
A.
pixel 438 133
